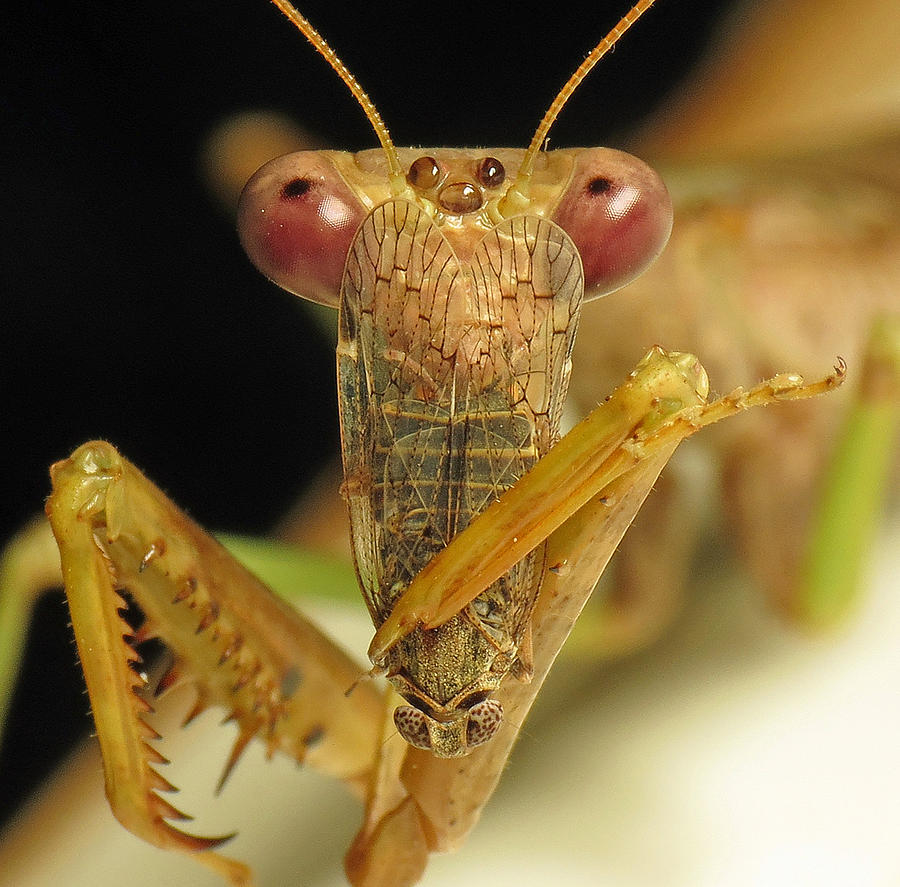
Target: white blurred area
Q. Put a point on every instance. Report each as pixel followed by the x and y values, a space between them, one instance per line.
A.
pixel 735 753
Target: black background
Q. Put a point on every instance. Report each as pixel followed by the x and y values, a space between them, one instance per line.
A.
pixel 127 310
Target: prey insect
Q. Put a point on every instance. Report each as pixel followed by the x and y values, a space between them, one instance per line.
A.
pixel 459 277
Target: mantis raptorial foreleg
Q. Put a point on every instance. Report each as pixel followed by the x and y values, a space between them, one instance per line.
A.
pixel 247 651
pixel 279 679
pixel 628 439
pixel 651 412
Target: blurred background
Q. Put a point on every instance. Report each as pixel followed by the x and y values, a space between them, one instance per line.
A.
pixel 129 312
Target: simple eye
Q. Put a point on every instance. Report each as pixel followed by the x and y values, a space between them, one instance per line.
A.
pixel 460 198
pixel 423 173
pixel 491 173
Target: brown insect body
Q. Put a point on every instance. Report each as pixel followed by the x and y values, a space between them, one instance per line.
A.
pixel 459 276
pixel 452 375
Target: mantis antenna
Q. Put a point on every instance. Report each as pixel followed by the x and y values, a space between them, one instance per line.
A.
pixel 597 53
pixel 398 182
pixel 517 191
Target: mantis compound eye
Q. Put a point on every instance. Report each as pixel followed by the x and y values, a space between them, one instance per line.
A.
pixel 296 219
pixel 619 214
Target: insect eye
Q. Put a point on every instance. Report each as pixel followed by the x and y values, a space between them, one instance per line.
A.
pixel 297 218
pixel 295 188
pixel 599 185
pixel 412 725
pixel 618 213
pixel 460 198
pixel 423 173
pixel 484 721
pixel 491 173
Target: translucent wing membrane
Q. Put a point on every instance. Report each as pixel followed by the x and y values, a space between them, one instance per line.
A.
pixel 452 377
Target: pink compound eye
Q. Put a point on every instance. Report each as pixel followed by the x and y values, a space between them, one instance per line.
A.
pixel 412 725
pixel 619 214
pixel 296 219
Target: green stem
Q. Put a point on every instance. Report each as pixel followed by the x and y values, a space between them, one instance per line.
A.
pixel 855 486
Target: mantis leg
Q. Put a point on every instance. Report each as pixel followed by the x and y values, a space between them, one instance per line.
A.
pixel 276 676
pixel 583 495
pixel 640 596
pixel 115 530
pixel 29 565
pixel 661 403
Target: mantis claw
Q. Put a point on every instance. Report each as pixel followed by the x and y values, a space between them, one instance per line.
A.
pixel 116 530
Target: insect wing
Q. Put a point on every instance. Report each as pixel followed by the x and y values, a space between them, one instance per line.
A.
pixel 397 265
pixel 452 377
pixel 528 276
